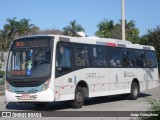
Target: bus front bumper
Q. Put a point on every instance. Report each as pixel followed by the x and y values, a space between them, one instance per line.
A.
pixel 43 96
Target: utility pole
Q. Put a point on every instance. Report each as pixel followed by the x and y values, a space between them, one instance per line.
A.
pixel 123 20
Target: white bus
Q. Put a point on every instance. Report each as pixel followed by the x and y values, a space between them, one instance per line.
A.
pixel 48 68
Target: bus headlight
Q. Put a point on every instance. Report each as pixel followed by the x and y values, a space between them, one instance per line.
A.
pixel 46 85
pixel 7 86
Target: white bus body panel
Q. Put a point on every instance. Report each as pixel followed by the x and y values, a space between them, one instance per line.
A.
pixel 148 78
pixel 98 83
pixel 43 96
pixel 101 83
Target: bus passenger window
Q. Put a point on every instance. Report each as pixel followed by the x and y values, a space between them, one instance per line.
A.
pixel 128 58
pixel 99 56
pixel 140 58
pixel 151 59
pixel 114 57
pixel 81 55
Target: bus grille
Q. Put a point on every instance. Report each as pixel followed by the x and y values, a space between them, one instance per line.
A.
pixel 26 84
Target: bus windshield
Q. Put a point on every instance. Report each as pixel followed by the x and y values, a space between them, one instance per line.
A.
pixel 32 63
pixel 30 58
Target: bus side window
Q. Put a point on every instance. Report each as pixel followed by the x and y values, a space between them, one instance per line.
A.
pixel 63 58
pixel 99 56
pixel 115 57
pixel 140 58
pixel 81 55
pixel 150 59
pixel 128 58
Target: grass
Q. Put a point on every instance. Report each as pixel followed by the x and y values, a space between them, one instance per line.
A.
pixel 154 107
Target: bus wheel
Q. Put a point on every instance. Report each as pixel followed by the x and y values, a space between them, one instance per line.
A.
pixel 40 104
pixel 134 91
pixel 79 98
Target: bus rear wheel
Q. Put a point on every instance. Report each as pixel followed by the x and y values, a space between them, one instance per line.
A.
pixel 134 91
pixel 79 98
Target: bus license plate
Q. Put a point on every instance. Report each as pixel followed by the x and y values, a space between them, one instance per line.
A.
pixel 25 96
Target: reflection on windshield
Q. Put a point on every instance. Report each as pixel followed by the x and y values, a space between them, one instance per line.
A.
pixel 34 63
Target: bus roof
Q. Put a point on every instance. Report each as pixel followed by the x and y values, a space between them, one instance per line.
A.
pixel 96 40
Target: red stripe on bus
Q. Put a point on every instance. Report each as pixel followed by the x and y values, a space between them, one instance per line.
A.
pixel 111 44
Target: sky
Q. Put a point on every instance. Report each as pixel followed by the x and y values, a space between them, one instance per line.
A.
pixel 56 14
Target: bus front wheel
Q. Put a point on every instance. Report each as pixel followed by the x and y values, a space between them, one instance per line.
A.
pixel 134 91
pixel 79 98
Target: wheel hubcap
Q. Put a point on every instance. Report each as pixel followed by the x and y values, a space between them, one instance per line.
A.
pixel 135 91
pixel 79 97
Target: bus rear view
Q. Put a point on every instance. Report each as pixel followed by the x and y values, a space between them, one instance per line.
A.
pixel 28 71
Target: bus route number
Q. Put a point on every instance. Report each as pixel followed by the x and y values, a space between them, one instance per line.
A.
pixel 90 75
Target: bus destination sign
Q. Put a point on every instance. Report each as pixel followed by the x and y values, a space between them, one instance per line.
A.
pixel 36 42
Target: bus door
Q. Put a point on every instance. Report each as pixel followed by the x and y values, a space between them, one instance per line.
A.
pixel 63 81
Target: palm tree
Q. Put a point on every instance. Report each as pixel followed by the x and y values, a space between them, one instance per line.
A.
pixel 2 38
pixel 132 32
pixel 72 29
pixel 105 28
pixel 10 29
pixel 25 26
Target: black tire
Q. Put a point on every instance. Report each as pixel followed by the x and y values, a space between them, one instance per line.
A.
pixel 40 104
pixel 134 91
pixel 79 98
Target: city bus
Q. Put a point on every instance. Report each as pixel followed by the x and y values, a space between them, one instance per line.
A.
pixel 50 68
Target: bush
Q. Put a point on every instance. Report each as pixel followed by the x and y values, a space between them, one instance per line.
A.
pixel 0 65
pixel 2 73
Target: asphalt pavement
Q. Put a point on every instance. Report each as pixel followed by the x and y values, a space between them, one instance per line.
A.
pixel 98 105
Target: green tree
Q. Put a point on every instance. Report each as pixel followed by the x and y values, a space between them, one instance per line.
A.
pixel 153 38
pixel 14 28
pixel 11 26
pixel 132 33
pixel 72 29
pixel 25 27
pixel 107 29
pixel 2 42
pixel 10 29
pixel 34 30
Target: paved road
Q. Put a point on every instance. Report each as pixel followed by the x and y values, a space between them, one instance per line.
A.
pixel 112 103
